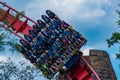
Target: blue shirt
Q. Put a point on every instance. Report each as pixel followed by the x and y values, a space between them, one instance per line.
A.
pixel 59 43
pixel 54 48
pixel 61 30
pixel 72 40
pixel 57 23
pixel 50 52
pixel 38 29
pixel 34 34
pixel 41 37
pixel 27 54
pixel 77 35
pixel 34 47
pixel 67 32
pixel 37 42
pixel 46 19
pixel 51 27
pixel 46 57
pixel 29 38
pixel 51 41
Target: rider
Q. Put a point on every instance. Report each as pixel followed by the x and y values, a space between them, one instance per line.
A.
pixel 41 23
pixel 51 14
pixel 25 44
pixel 46 19
pixel 28 38
pixel 33 33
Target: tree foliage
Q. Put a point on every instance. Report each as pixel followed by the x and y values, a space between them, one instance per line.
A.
pixel 10 70
pixel 8 40
pixel 115 38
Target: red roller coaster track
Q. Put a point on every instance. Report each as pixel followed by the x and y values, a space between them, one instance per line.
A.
pixel 81 70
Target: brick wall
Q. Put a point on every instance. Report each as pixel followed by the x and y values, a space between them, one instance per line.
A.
pixel 101 63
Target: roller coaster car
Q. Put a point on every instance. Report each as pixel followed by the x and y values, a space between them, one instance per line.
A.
pixel 55 44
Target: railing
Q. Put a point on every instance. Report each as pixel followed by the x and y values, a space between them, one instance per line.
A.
pixel 27 22
pixel 4 4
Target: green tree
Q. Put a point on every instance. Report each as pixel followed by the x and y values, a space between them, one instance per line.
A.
pixel 7 39
pixel 10 70
pixel 115 38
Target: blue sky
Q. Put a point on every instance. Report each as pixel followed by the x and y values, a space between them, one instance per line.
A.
pixel 95 19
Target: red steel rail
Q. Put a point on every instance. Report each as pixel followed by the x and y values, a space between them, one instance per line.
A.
pixel 13 22
pixel 81 70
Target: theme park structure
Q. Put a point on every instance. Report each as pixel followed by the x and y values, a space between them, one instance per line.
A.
pixel 51 45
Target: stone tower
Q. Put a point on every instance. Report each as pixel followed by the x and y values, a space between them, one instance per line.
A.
pixel 101 63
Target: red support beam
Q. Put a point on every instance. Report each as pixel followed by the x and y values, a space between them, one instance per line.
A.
pixel 14 22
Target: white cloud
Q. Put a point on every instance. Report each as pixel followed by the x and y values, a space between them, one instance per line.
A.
pixel 86 50
pixel 67 9
pixel 3 58
pixel 91 14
